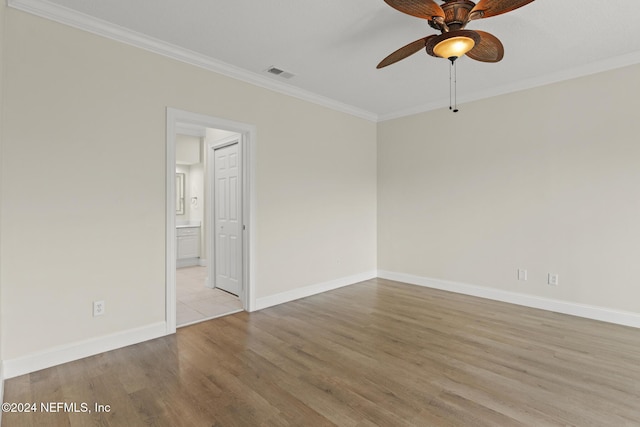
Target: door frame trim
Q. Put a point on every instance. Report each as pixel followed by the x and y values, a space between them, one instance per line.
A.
pixel 248 132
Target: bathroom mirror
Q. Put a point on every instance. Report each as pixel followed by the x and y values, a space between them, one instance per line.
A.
pixel 179 194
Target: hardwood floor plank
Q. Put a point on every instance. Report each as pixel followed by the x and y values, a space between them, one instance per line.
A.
pixel 377 353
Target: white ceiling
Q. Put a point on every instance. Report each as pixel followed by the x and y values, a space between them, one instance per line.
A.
pixel 333 46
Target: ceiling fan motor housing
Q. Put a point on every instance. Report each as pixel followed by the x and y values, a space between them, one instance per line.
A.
pixel 456 15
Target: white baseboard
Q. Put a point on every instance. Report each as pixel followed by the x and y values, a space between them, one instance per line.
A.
pixel 307 291
pixel 67 353
pixel 604 314
pixel 70 352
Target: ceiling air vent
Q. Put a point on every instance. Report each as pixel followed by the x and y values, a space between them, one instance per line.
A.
pixel 279 72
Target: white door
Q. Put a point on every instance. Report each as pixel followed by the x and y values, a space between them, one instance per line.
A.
pixel 227 219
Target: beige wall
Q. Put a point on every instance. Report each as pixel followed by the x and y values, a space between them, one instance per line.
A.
pixel 2 37
pixel 85 138
pixel 546 179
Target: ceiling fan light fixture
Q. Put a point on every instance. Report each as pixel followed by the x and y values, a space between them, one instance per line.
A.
pixel 452 44
pixel 454 47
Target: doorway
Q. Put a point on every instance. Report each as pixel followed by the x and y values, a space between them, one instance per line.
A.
pixel 232 268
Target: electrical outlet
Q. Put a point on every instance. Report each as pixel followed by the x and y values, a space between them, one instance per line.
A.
pixel 553 279
pixel 522 274
pixel 98 308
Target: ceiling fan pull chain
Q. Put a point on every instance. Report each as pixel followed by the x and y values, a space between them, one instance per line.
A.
pixel 455 86
pixel 450 88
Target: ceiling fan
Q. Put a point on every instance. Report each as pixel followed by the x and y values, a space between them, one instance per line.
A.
pixel 450 19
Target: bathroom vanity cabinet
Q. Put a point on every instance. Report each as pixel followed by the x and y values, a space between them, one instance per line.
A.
pixel 188 246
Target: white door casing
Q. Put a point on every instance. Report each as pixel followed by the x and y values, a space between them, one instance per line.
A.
pixel 227 221
pixel 185 119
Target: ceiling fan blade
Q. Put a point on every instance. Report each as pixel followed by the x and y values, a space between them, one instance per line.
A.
pixel 489 49
pixel 404 52
pixel 425 9
pixel 487 8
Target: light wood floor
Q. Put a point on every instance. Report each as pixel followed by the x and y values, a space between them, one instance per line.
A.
pixel 378 353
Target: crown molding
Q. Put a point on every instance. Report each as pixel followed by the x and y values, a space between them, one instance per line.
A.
pixel 72 18
pixel 543 80
pixel 75 19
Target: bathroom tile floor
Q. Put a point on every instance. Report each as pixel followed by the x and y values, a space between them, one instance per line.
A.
pixel 196 303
